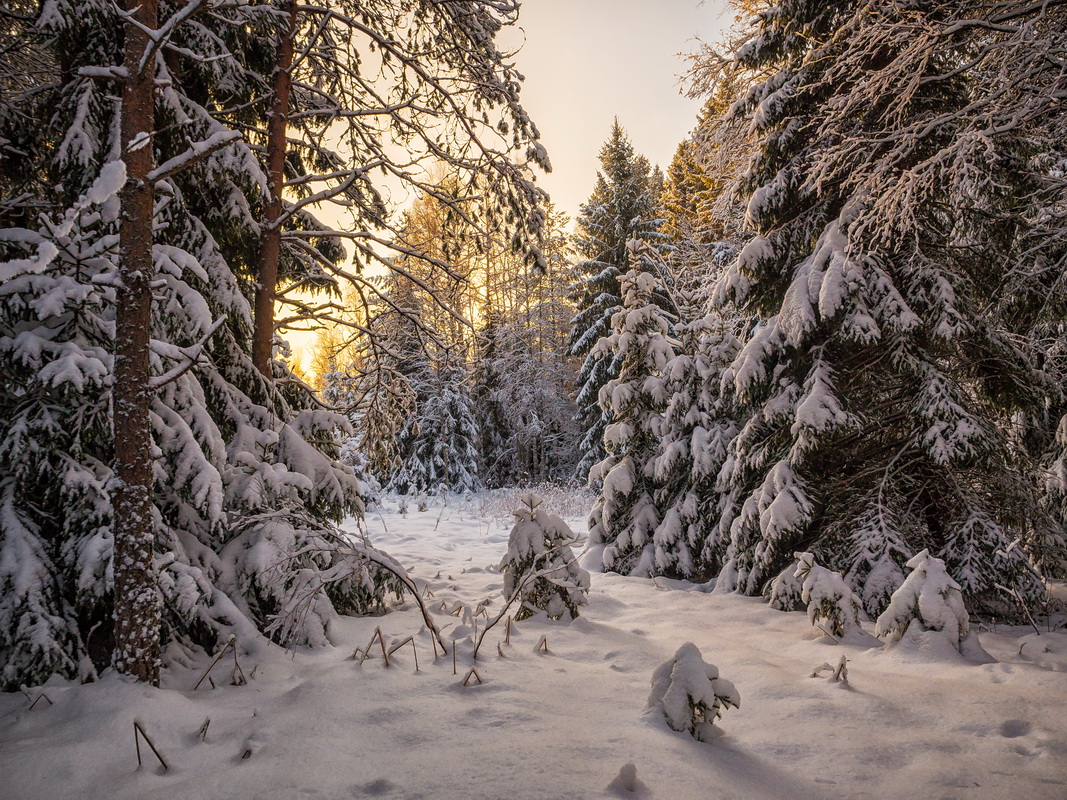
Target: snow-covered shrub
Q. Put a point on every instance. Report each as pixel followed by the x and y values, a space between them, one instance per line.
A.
pixel 690 693
pixel 786 591
pixel 540 565
pixel 827 597
pixel 928 597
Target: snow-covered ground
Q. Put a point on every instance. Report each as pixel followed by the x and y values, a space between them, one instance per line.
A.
pixel 912 723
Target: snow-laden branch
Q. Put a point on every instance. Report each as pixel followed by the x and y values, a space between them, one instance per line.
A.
pixel 191 355
pixel 196 152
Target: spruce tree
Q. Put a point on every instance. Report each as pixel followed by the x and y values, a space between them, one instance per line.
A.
pixel 623 206
pixel 890 198
pixel 626 514
pixel 244 486
pixel 698 430
pixel 439 441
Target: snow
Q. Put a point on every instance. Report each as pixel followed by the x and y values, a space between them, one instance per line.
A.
pixel 566 723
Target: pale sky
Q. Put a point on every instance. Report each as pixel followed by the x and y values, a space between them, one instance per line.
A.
pixel 588 61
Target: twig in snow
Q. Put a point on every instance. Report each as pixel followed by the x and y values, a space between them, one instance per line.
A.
pixel 38 700
pixel 366 651
pixel 1014 592
pixel 202 733
pixel 231 642
pixel 237 677
pixel 824 667
pixel 400 644
pixel 542 644
pixel 138 733
pixel 473 673
pixel 841 673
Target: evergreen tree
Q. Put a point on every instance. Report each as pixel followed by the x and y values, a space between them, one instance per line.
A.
pixel 623 206
pixel 698 430
pixel 245 483
pixel 690 694
pixel 439 441
pixel 540 566
pixel 626 514
pixel 890 197
pixel 928 600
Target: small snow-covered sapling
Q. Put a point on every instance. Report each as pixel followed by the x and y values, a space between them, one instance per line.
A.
pixel 690 694
pixel 828 598
pixel 540 566
pixel 928 598
pixel 785 591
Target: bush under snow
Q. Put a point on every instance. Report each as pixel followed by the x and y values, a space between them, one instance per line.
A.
pixel 930 599
pixel 691 694
pixel 540 565
pixel 828 598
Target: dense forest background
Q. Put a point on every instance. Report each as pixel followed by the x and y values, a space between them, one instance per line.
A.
pixel 833 324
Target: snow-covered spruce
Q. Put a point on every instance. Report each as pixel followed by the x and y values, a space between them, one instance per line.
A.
pixel 786 592
pixel 889 352
pixel 540 566
pixel 697 432
pixel 247 487
pixel 626 515
pixel 690 694
pixel 438 443
pixel 928 599
pixel 621 208
pixel 831 604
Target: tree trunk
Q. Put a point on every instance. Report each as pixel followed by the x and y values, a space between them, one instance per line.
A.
pixel 271 241
pixel 137 603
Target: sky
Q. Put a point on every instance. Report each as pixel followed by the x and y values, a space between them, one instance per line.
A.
pixel 588 61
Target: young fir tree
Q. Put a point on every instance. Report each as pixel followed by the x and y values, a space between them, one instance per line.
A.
pixel 831 604
pixel 623 206
pixel 540 566
pixel 626 513
pixel 439 441
pixel 690 694
pixel 698 429
pixel 889 195
pixel 927 600
pixel 244 485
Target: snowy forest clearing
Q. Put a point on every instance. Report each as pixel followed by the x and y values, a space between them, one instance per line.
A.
pixel 911 723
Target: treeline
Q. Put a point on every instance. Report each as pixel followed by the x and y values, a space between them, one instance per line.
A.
pixel 175 177
pixel 873 205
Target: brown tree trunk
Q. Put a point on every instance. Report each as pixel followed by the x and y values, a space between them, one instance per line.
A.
pixel 137 603
pixel 271 241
